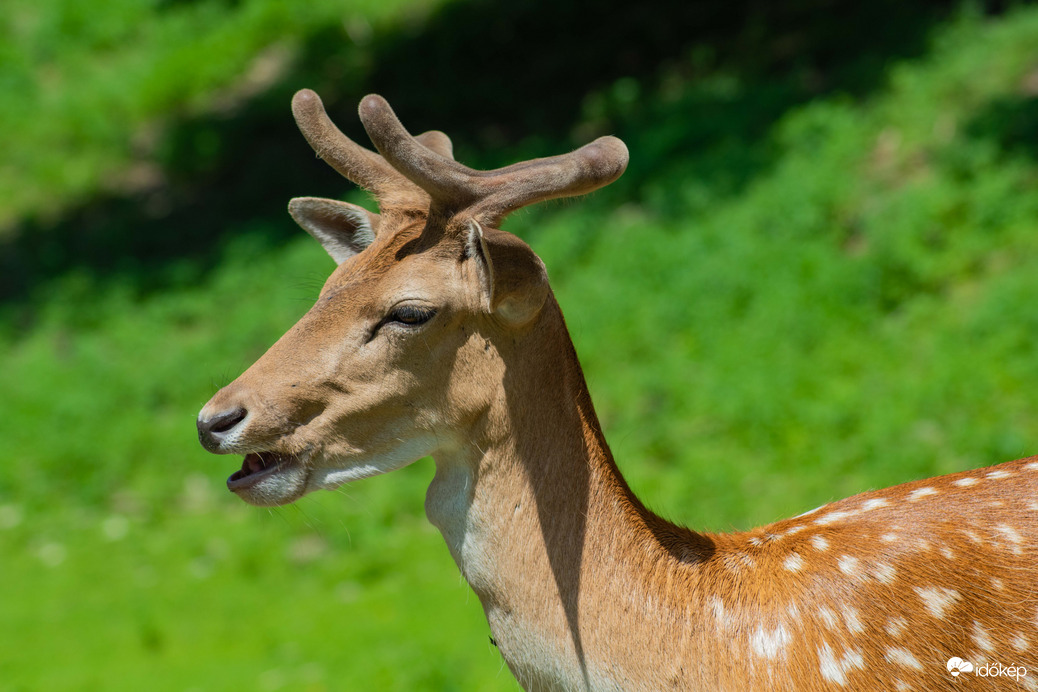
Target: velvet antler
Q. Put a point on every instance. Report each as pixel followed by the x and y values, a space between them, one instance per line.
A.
pixel 420 171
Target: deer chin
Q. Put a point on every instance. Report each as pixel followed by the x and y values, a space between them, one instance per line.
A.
pixel 269 478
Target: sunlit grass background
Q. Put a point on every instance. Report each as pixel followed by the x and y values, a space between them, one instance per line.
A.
pixel 819 276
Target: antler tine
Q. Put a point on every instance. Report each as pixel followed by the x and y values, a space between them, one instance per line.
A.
pixel 360 165
pixel 447 181
pixel 592 166
pixel 438 142
pixel 489 195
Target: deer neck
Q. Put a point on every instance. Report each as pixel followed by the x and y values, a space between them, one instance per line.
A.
pixel 545 529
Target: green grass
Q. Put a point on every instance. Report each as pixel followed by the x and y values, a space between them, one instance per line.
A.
pixel 843 301
pixel 228 598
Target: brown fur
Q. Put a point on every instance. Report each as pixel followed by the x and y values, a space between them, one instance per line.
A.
pixel 583 587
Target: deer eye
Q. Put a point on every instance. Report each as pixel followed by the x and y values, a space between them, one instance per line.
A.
pixel 409 315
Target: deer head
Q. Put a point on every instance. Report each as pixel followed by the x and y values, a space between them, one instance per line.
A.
pixel 408 338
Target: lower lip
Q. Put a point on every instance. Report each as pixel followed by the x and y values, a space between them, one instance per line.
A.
pixel 252 479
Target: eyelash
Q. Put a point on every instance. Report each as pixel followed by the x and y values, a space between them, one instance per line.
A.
pixel 409 315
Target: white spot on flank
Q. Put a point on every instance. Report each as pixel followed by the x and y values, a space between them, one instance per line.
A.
pixel 901 686
pixel 1019 642
pixel 828 617
pixel 831 669
pixel 1010 533
pixel 1033 506
pixel 848 565
pixel 737 561
pixel 884 573
pixel 997 583
pixel 999 474
pixel 888 537
pixel 965 481
pixel 981 638
pixel 947 553
pixel 833 516
pixel 874 503
pixel 1031 466
pixel 820 543
pixel 834 669
pixel 718 609
pixel 795 529
pixel 972 535
pixel 937 599
pixel 769 644
pixel 1012 536
pixel 921 493
pixel 851 619
pixel 896 626
pixel 902 657
pixel 793 563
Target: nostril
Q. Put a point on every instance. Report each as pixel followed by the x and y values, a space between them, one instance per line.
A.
pixel 226 421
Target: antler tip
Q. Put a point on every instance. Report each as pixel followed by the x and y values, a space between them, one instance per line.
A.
pixel 372 104
pixel 607 158
pixel 306 103
pixel 305 96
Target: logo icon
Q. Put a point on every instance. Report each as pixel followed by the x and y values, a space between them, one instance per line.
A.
pixel 956 665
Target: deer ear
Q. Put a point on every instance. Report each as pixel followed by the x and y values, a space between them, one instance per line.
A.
pixel 514 280
pixel 343 229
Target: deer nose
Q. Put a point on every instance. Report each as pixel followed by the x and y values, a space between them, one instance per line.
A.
pixel 213 431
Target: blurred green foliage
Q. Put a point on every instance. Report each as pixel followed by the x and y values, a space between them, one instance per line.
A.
pixel 818 276
pixel 87 88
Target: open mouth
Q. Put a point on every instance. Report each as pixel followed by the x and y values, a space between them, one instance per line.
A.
pixel 257 466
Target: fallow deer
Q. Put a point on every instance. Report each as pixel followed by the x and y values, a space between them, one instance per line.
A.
pixel 438 335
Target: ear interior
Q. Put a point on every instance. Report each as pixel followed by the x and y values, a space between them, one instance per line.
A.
pixel 343 229
pixel 514 280
pixel 477 250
